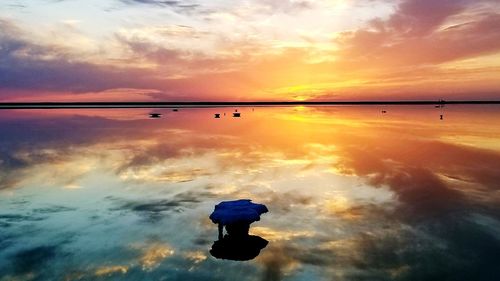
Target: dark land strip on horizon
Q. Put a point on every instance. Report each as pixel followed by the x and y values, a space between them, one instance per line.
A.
pixel 63 105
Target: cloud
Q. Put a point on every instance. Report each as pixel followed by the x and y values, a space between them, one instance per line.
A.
pixel 449 249
pixel 442 186
pixel 33 260
pixel 53 209
pixel 261 6
pixel 54 144
pixel 157 210
pixel 154 254
pixel 7 219
pixel 30 66
pixel 284 6
pixel 111 270
pixel 183 7
pixel 419 33
pixel 465 247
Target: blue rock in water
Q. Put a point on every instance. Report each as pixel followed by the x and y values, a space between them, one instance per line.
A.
pixel 229 212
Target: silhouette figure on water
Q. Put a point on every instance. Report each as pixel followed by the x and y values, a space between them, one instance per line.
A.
pixel 236 216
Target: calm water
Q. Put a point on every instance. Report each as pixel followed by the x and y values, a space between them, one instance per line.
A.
pixel 353 193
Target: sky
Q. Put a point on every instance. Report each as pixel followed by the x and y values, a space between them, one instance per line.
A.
pixel 269 50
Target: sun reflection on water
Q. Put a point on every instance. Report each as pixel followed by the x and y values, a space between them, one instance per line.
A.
pixel 353 193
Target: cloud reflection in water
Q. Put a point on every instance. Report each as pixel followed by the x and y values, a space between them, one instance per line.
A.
pixel 355 195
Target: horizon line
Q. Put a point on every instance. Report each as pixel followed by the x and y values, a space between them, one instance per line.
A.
pixel 195 104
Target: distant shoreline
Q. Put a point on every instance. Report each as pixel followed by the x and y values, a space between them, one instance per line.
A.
pixel 63 105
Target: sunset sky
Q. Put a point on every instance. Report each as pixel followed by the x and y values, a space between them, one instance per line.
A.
pixel 195 50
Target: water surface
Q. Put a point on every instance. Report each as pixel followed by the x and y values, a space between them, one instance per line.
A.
pixel 353 193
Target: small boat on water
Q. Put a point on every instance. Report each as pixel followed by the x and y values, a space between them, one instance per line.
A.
pixel 236 114
pixel 154 115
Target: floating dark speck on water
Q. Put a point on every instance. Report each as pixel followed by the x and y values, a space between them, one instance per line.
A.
pixel 175 109
pixel 217 115
pixel 384 111
pixel 154 115
pixel 441 117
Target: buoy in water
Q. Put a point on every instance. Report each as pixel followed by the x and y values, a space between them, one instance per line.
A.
pixel 154 115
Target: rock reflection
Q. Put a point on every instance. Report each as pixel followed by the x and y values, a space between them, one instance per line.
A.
pixel 236 217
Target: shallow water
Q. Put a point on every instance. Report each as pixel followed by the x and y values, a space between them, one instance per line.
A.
pixel 353 193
